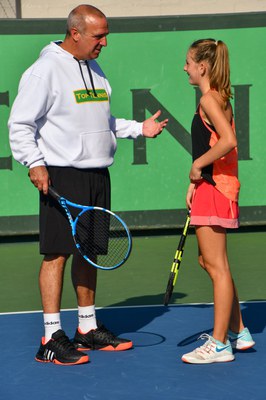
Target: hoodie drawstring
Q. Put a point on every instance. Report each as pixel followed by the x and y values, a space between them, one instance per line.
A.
pixel 90 75
pixel 91 78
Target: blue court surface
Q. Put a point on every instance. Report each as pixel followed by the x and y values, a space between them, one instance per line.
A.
pixel 152 370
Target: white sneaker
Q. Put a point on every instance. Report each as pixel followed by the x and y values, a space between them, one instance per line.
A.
pixel 212 351
pixel 242 340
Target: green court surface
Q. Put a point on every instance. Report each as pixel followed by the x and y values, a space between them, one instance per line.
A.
pixel 142 280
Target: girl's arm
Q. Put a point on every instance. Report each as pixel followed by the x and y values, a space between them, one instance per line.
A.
pixel 190 195
pixel 212 107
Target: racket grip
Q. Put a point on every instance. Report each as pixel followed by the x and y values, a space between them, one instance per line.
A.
pixel 53 193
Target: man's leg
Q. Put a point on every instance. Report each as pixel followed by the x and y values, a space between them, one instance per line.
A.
pixel 51 282
pixel 55 346
pixel 90 334
pixel 84 278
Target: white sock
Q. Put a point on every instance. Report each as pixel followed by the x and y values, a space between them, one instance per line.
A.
pixel 87 318
pixel 52 323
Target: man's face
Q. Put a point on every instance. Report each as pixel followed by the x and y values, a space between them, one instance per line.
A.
pixel 92 39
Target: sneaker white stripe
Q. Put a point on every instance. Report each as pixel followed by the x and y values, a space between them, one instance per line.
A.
pixel 49 355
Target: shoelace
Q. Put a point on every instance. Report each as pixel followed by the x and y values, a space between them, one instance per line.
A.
pixel 104 332
pixel 207 347
pixel 204 336
pixel 64 343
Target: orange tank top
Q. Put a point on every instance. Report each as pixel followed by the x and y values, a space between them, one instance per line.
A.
pixel 223 173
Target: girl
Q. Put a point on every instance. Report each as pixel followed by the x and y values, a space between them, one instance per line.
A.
pixel 212 195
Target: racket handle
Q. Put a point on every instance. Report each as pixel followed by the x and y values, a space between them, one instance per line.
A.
pixel 53 193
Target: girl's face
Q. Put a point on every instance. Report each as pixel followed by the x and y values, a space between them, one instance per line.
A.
pixel 193 69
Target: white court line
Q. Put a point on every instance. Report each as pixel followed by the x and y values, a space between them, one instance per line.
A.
pixel 140 306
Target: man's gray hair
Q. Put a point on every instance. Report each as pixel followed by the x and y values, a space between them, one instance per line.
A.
pixel 77 17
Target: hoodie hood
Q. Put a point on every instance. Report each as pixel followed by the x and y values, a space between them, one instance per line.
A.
pixel 54 47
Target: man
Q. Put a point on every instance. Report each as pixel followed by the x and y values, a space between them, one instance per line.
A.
pixel 62 130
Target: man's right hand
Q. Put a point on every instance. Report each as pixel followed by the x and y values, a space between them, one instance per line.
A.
pixel 40 178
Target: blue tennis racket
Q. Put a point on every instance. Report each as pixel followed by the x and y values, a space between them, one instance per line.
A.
pixel 100 235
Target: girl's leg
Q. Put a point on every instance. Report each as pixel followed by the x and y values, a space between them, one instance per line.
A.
pixel 213 258
pixel 236 322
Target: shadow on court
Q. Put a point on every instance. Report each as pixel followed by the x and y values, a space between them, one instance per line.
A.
pixel 151 371
pixel 254 316
pixel 150 299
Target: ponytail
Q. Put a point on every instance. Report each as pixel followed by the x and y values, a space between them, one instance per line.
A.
pixel 216 54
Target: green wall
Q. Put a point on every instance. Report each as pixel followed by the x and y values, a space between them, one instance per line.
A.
pixel 144 63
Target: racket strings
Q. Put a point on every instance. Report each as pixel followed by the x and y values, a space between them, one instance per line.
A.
pixel 102 235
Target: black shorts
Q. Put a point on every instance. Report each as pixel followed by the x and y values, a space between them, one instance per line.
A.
pixel 84 186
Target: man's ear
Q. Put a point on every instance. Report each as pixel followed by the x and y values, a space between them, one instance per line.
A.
pixel 75 34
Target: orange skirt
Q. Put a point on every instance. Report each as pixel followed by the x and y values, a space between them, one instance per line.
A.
pixel 210 207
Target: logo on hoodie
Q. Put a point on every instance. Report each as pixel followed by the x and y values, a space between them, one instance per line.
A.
pixel 82 96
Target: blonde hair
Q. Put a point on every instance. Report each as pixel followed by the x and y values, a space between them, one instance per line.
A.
pixel 217 56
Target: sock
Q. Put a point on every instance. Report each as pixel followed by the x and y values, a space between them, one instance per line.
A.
pixel 87 318
pixel 52 323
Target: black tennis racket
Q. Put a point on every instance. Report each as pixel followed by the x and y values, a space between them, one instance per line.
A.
pixel 100 235
pixel 176 263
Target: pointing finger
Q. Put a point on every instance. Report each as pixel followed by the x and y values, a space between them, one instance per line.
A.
pixel 156 115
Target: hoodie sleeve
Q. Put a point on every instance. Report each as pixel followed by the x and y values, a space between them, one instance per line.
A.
pixel 29 106
pixel 124 128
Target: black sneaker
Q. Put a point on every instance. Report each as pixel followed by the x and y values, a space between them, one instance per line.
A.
pixel 59 350
pixel 100 339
